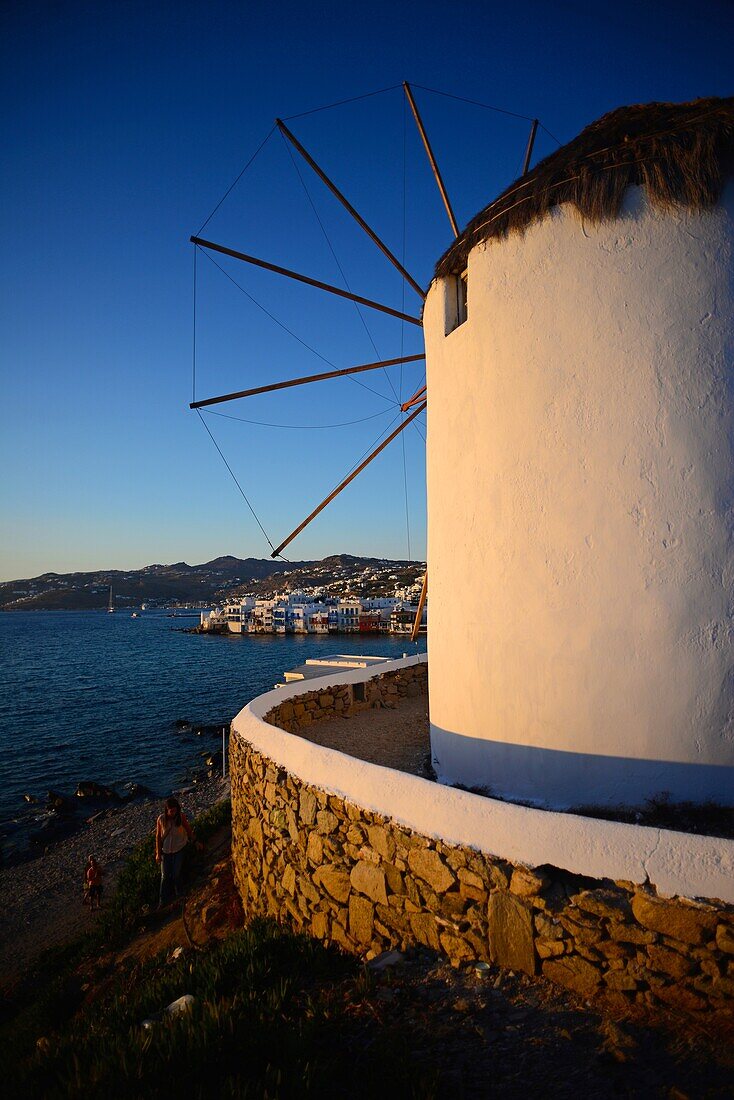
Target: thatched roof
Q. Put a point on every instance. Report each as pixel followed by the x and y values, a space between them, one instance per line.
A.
pixel 682 153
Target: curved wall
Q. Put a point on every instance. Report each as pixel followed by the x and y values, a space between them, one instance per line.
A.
pixel 582 579
pixel 371 858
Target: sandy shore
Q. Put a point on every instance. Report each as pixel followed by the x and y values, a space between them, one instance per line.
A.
pixel 41 900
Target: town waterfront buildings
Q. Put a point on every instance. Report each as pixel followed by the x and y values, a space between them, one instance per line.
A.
pixel 297 613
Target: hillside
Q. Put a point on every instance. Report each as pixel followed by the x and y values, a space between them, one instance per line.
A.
pixel 181 584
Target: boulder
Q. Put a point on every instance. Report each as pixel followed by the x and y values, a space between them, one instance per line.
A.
pixel 87 788
pixel 59 803
pixel 427 864
pixel 681 921
pixel 574 973
pixel 370 880
pixel 510 933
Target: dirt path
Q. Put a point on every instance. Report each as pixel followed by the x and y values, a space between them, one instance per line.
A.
pixel 41 900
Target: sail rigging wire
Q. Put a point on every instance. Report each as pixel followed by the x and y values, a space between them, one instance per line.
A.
pixel 267 424
pixel 237 179
pixel 473 102
pixel 550 135
pixel 290 332
pixel 336 260
pixel 234 478
pixel 341 102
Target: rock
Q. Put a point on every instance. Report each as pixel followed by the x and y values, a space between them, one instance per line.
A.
pixel 314 848
pixel 333 880
pixel 574 973
pixel 385 960
pixel 289 879
pixel 548 928
pixel 394 879
pixel 669 962
pixel 182 724
pixel 361 918
pixel 307 807
pixel 370 880
pixel 510 933
pixel 427 864
pixel 681 921
pixel 548 949
pixel 603 903
pixel 425 930
pixel 59 803
pixel 136 790
pixel 620 981
pixel 382 843
pixel 678 997
pixel 320 925
pixel 470 878
pixel 339 935
pixel 630 933
pixel 181 1004
pixel 725 939
pixel 456 948
pixel 326 822
pixel 527 882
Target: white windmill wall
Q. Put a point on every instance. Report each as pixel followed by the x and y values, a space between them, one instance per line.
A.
pixel 580 488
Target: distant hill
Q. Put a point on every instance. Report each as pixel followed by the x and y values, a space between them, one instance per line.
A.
pixel 211 582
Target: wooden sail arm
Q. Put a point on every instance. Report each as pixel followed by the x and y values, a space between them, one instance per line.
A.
pixel 413 400
pixel 325 376
pixel 432 160
pixel 529 148
pixel 421 605
pixel 342 485
pixel 305 279
pixel 348 206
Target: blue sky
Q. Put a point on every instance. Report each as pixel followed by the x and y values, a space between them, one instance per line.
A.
pixel 124 124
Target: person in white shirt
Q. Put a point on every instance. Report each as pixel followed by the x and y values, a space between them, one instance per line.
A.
pixel 172 833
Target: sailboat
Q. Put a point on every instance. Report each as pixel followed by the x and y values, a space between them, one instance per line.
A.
pixel 111 603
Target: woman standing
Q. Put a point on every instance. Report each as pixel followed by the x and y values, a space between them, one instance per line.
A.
pixel 172 834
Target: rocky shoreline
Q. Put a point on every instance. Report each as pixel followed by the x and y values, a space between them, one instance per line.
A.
pixel 41 899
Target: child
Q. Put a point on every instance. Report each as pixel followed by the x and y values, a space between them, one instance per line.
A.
pixel 93 883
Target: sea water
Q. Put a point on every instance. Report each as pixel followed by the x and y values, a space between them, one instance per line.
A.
pixel 91 696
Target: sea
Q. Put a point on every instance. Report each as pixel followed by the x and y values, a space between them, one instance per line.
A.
pixel 89 696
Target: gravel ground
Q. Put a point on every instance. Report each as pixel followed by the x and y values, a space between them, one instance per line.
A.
pixel 41 900
pixel 396 738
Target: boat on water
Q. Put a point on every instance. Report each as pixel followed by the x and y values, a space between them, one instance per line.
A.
pixel 111 603
pixel 134 615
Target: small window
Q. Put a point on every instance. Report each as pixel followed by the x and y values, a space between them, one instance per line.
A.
pixel 456 300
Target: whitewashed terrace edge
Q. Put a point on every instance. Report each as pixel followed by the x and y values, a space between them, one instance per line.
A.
pixel 675 863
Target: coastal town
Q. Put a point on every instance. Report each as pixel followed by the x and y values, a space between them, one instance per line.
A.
pixel 312 613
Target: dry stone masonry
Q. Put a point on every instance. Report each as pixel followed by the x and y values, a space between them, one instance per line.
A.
pixel 346 875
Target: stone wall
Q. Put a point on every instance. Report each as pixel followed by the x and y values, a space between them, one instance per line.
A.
pixel 334 701
pixel 350 876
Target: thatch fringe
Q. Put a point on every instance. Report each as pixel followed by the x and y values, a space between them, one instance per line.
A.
pixel 681 153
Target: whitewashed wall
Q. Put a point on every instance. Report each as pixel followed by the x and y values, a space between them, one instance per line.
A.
pixel 580 496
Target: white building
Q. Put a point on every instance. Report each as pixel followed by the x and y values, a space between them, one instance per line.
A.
pixel 581 382
pixel 261 617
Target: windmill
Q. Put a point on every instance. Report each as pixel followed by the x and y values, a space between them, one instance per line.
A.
pixel 418 402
